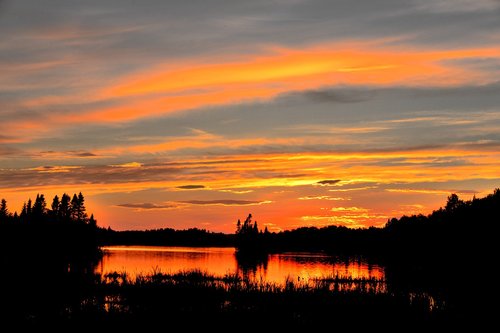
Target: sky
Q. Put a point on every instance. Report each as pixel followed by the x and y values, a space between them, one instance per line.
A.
pixel 185 114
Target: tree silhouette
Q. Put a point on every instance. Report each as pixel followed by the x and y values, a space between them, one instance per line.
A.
pixel 65 225
pixel 40 206
pixel 28 208
pixel 64 207
pixel 3 208
pixel 78 210
pixel 82 214
pixel 250 242
pixel 4 212
pixel 92 221
pixel 55 206
pixel 453 203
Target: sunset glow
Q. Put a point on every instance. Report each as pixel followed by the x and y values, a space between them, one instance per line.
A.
pixel 337 124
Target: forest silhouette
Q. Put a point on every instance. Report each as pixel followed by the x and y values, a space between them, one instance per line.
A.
pixel 64 229
pixel 50 254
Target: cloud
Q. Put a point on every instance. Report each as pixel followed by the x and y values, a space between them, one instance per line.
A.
pixel 353 189
pixel 349 219
pixel 338 95
pixel 431 191
pixel 236 191
pixel 225 202
pixel 146 206
pixel 9 151
pixel 165 89
pixel 328 182
pixel 55 169
pixel 8 139
pixel 64 154
pixel 322 197
pixel 85 154
pixel 348 209
pixel 128 165
pixel 451 6
pixel 191 187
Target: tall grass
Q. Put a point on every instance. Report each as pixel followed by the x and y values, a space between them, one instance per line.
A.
pixel 232 282
pixel 197 297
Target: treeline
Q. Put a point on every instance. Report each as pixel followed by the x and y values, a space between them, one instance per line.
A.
pixel 66 209
pixel 445 254
pixel 448 231
pixel 62 230
pixel 166 237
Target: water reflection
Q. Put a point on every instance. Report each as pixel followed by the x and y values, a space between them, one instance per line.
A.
pixel 145 259
pixel 252 267
pixel 220 261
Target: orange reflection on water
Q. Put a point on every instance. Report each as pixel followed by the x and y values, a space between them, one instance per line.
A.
pixel 310 265
pixel 296 267
pixel 145 259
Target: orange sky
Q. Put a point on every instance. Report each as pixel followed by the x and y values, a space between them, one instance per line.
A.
pixel 297 128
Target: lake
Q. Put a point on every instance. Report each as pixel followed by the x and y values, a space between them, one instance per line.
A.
pixel 297 266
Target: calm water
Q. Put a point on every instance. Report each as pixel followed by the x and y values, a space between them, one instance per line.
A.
pixel 219 261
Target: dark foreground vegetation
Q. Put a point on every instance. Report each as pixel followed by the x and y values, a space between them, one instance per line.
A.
pixel 436 274
pixel 193 300
pixel 62 232
pixel 47 258
pixel 448 254
pixel 198 300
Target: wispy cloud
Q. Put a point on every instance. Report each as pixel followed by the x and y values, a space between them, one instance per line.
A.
pixel 65 154
pixel 323 197
pixel 235 191
pixel 328 182
pixel 55 169
pixel 189 85
pixel 356 220
pixel 128 165
pixel 191 187
pixel 432 191
pixel 225 202
pixel 146 206
pixel 348 209
pixel 451 6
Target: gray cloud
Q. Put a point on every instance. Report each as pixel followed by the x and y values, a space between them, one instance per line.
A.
pixel 434 163
pixel 191 187
pixel 152 30
pixel 339 95
pixel 10 151
pixel 85 154
pixel 85 175
pixel 328 182
pixel 452 6
pixel 6 138
pixel 146 206
pixel 71 37
pixel 75 153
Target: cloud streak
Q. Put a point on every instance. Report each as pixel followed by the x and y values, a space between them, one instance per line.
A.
pixel 225 202
pixel 173 88
pixel 191 187
pixel 146 206
pixel 328 182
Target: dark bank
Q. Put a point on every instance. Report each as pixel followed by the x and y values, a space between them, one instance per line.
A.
pixel 49 258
